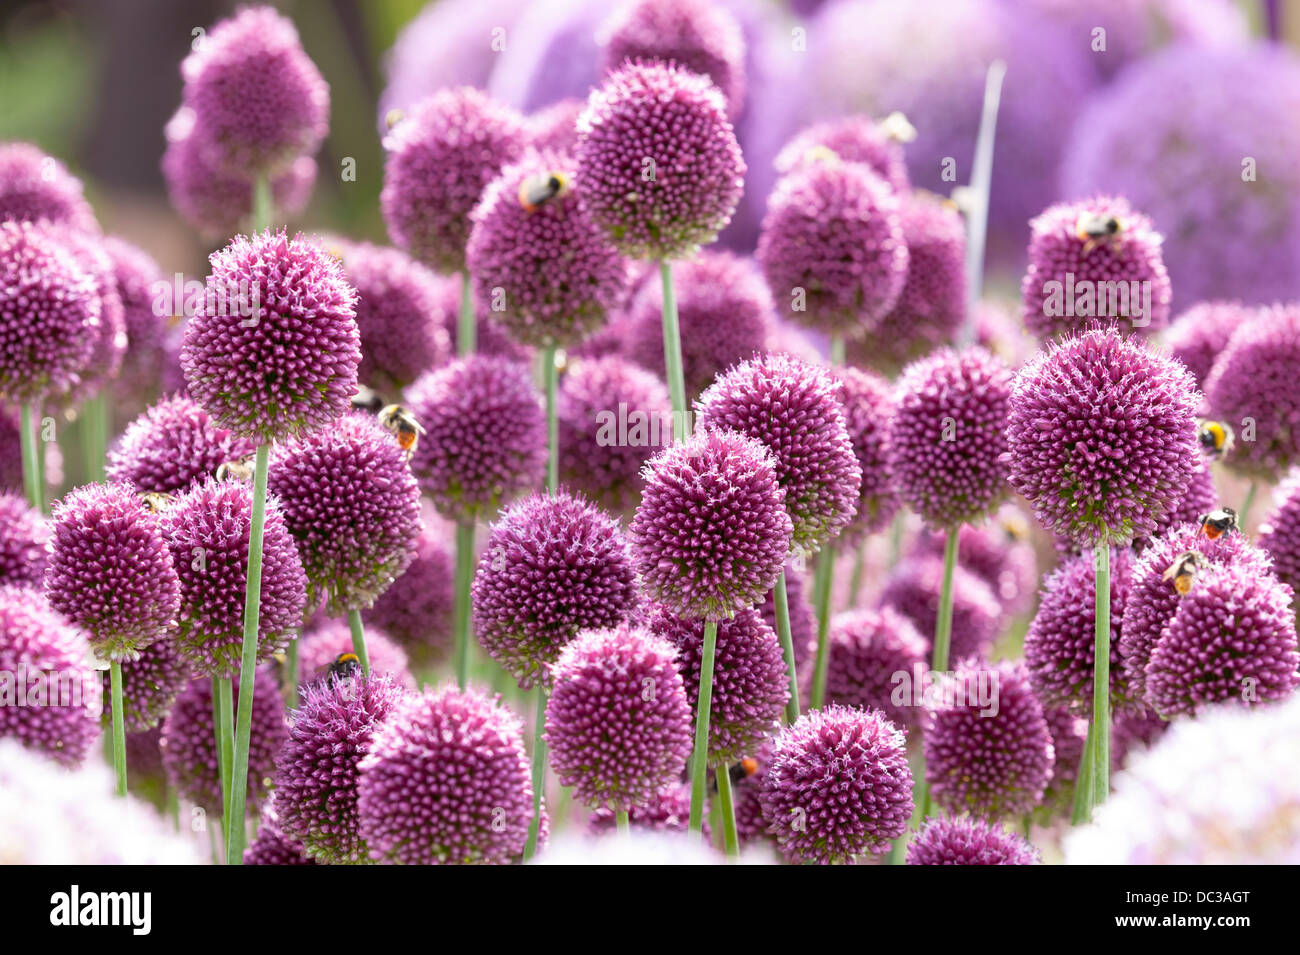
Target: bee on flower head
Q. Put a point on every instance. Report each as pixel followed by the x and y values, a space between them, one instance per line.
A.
pixel 393 117
pixel 241 469
pixel 1216 437
pixel 1182 572
pixel 536 191
pixel 367 399
pixel 1093 230
pixel 403 425
pixel 344 666
pixel 156 502
pixel 1217 523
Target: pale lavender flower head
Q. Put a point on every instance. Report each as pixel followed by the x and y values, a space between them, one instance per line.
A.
pixel 275 349
pixel 150 684
pixel 618 725
pixel 441 156
pixel 258 99
pixel 1279 535
pixel 34 186
pixel 446 781
pixel 868 648
pixel 135 277
pixel 963 840
pixel 326 638
pixel 553 567
pixel 24 539
pixel 44 655
pixel 856 138
pixel 172 446
pixel 110 571
pixel 1199 335
pixel 832 247
pixel 838 786
pixel 711 533
pixel 793 408
pixel 914 587
pixel 316 776
pixel 416 609
pixel 1102 437
pixel 485 440
pixel 658 160
pixel 555 128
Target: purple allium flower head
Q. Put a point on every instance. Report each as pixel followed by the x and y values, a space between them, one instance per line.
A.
pixel 988 751
pixel 932 306
pixel 615 743
pixel 446 781
pixel 172 446
pixel 1061 639
pixel 1200 334
pixel 316 775
pixel 135 276
pixel 696 35
pixel 913 590
pixel 750 683
pixel 668 810
pixel 858 139
pixel 291 364
pixel 658 160
pixel 803 618
pixel 552 567
pixel 34 186
pixel 598 399
pixel 998 554
pixel 150 685
pixel 259 101
pixel 321 644
pixel 711 533
pixel 207 530
pixel 963 840
pixel 724 311
pixel 1255 378
pixel 47 657
pixel 399 311
pixel 273 847
pixel 947 436
pixel 490 338
pixel 555 128
pixel 416 609
pixel 1126 142
pixel 1069 733
pixel 50 313
pixel 24 539
pixel 1199 499
pixel 1232 638
pixel 1279 534
pixel 352 504
pixel 832 247
pixel 1102 437
pixel 1151 600
pixel 550 266
pixel 868 647
pixel 838 786
pixel 793 408
pixel 1074 259
pixel 110 571
pixel 485 440
pixel 189 744
pixel 441 156
pixel 216 202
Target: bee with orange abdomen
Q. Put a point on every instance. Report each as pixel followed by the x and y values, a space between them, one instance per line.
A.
pixel 1182 572
pixel 536 191
pixel 1217 523
pixel 403 425
pixel 1094 230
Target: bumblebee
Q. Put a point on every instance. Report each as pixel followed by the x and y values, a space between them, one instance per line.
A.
pixel 897 127
pixel 367 399
pixel 1182 572
pixel 1093 230
pixel 237 470
pixel 345 666
pixel 1015 527
pixel 156 502
pixel 1217 523
pixel 1216 437
pixel 820 153
pixel 403 426
pixel 536 191
pixel 739 771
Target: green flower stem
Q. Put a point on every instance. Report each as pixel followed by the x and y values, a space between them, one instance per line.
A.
pixel 359 640
pixel 33 479
pixel 291 674
pixel 119 725
pixel 539 773
pixel 703 706
pixel 225 703
pixel 1101 681
pixel 620 817
pixel 822 578
pixel 466 323
pixel 464 579
pixel 223 773
pixel 943 623
pixel 40 471
pixel 94 437
pixel 263 204
pixel 730 839
pixel 673 354
pixel 896 539
pixel 782 602
pixel 1245 506
pixel 248 662
pixel 550 377
pixel 1081 811
pixel 837 349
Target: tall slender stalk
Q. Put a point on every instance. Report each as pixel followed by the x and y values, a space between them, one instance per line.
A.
pixel 359 640
pixel 822 579
pixel 291 674
pixel 33 479
pixel 248 662
pixel 782 601
pixel 1081 811
pixel 703 706
pixel 464 580
pixel 673 353
pixel 466 322
pixel 550 377
pixel 1245 506
pixel 855 581
pixel 1101 680
pixel 620 818
pixel 263 204
pixel 224 696
pixel 539 773
pixel 94 437
pixel 119 725
pixel 943 622
pixel 730 838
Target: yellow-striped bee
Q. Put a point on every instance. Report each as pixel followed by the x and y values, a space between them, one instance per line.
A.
pixel 536 191
pixel 1183 570
pixel 156 502
pixel 1093 230
pixel 1216 437
pixel 1217 523
pixel 345 665
pixel 403 426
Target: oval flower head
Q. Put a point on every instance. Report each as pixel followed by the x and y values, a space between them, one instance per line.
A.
pixel 858 139
pixel 172 446
pixel 24 540
pixel 711 535
pixel 658 160
pixel 275 348
pixel 34 186
pixel 1101 438
pixel 1200 334
pixel 1279 535
pixel 961 840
